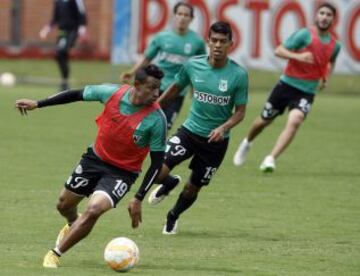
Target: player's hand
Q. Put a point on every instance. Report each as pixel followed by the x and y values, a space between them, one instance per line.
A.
pixel 134 209
pixel 44 32
pixel 217 134
pixel 83 34
pixel 306 57
pixel 23 105
pixel 323 84
pixel 126 77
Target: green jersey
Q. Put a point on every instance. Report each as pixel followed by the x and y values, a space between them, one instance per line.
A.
pixel 216 92
pixel 172 51
pixel 150 132
pixel 298 41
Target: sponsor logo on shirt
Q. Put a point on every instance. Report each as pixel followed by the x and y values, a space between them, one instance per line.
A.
pixel 172 58
pixel 211 99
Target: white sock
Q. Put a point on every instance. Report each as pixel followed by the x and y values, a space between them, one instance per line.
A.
pixel 57 251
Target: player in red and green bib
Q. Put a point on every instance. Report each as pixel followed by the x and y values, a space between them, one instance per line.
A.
pixel 311 54
pixel 171 49
pixel 131 125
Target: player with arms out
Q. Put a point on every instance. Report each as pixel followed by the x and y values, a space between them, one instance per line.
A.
pixel 218 104
pixel 131 125
pixel 311 54
pixel 172 48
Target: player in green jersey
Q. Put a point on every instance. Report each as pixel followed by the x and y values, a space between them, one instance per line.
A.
pixel 131 125
pixel 172 48
pixel 310 52
pixel 218 104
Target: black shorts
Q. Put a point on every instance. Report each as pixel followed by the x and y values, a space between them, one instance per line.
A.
pixel 284 95
pixel 207 157
pixel 66 39
pixel 92 175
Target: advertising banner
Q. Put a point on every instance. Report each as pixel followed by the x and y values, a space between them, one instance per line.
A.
pixel 258 27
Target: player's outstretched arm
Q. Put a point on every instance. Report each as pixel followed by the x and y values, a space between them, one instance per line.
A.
pixel 282 52
pixel 24 105
pixel 170 93
pixel 134 207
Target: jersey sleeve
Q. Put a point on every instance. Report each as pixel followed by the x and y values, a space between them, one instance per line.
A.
pixel 298 40
pixel 182 78
pixel 153 48
pixel 241 95
pixel 336 52
pixel 158 133
pixel 99 93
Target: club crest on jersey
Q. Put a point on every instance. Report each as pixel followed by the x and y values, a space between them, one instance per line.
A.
pixel 223 85
pixel 187 48
pixel 136 138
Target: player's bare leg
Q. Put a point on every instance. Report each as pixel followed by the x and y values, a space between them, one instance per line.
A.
pixel 67 205
pixel 295 119
pixel 256 128
pixel 98 204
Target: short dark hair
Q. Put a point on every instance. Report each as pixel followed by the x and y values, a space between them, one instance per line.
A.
pixel 150 70
pixel 329 6
pixel 222 28
pixel 181 3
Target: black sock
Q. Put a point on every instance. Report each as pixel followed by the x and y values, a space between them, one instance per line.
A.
pixel 168 184
pixel 182 204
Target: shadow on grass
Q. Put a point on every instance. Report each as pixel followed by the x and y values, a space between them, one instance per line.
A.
pixel 189 269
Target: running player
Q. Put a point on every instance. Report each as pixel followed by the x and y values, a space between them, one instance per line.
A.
pixel 218 104
pixel 131 125
pixel 70 18
pixel 311 55
pixel 172 48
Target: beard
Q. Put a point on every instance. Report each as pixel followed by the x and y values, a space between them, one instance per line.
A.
pixel 323 29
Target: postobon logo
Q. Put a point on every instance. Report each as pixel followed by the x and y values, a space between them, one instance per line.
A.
pixel 79 182
pixel 211 99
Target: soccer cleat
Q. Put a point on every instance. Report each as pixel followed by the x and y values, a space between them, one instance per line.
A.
pixel 63 232
pixel 154 198
pixel 268 165
pixel 241 153
pixel 51 260
pixel 170 227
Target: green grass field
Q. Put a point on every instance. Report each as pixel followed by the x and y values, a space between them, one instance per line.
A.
pixel 304 219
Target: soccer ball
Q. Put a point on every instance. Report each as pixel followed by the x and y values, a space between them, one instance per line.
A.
pixel 7 79
pixel 121 254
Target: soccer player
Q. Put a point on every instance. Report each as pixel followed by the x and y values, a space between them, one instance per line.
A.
pixel 218 104
pixel 70 18
pixel 172 48
pixel 131 125
pixel 311 54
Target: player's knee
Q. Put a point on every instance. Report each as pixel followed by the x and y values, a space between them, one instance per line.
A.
pixel 190 190
pixel 93 212
pixel 63 206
